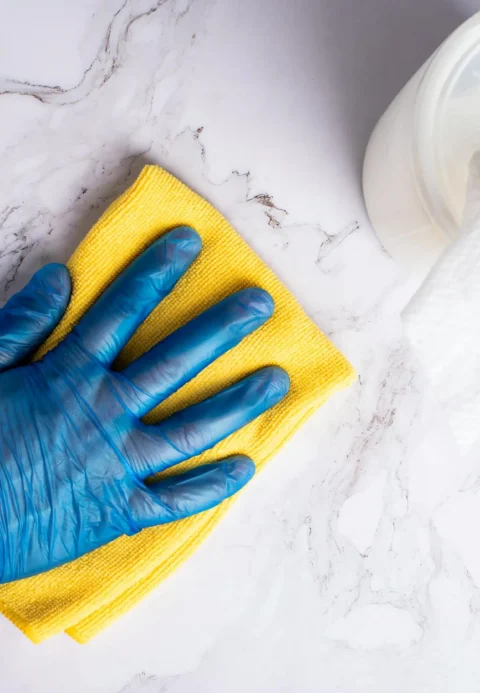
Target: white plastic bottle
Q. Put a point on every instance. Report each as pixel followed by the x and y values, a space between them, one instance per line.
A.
pixel 416 164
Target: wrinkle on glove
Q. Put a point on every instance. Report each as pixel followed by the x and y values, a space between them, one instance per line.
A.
pixel 84 596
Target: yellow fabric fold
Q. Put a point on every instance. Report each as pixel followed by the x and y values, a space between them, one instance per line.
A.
pixel 86 595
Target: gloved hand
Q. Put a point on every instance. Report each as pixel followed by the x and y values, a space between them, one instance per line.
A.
pixel 74 452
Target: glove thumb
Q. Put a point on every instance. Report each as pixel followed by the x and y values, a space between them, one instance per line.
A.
pixel 28 317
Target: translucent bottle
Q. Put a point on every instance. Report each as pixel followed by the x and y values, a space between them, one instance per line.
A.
pixel 416 163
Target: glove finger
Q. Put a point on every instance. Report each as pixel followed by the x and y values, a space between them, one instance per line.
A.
pixel 199 427
pixel 178 497
pixel 29 317
pixel 124 305
pixel 183 354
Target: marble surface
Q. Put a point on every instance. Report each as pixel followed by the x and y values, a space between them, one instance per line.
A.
pixel 353 562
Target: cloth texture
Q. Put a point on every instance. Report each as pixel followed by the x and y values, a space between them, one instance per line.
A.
pixel 442 321
pixel 85 596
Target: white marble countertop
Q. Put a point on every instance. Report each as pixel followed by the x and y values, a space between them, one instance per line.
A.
pixel 353 562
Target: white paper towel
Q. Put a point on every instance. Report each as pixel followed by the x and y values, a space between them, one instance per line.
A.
pixel 443 322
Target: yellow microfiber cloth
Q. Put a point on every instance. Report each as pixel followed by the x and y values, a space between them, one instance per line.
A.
pixel 84 596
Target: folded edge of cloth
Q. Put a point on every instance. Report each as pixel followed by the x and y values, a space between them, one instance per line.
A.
pixel 84 596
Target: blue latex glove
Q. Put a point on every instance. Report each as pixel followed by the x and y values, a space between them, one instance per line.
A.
pixel 74 452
